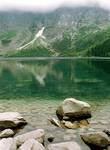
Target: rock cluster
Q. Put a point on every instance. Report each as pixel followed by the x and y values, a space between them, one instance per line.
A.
pixel 71 113
pixel 36 134
pixel 28 141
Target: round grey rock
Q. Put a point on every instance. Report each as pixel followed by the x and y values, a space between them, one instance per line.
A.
pixel 73 109
pixel 99 139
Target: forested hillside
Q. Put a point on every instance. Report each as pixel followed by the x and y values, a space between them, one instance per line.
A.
pixel 81 31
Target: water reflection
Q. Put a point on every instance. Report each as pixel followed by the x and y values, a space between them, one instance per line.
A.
pixel 55 79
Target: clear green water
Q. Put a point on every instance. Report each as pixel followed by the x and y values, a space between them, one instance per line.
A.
pixel 36 87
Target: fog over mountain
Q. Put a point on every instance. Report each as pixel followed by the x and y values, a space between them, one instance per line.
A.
pixel 48 5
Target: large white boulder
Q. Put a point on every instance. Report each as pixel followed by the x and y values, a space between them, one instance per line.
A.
pixel 7 144
pixel 32 144
pixel 36 134
pixel 11 120
pixel 73 109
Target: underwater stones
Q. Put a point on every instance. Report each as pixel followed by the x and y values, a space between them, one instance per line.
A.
pixel 64 146
pixel 32 144
pixel 72 114
pixel 83 123
pixel 96 139
pixel 11 120
pixel 36 134
pixel 54 122
pixel 6 133
pixel 73 109
pixel 69 124
pixel 75 124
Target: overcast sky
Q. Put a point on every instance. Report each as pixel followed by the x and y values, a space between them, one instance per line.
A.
pixel 45 5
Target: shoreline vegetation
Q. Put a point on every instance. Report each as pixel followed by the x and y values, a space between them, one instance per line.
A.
pixel 52 58
pixel 73 115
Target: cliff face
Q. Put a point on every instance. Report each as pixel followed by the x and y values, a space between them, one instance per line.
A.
pixel 64 26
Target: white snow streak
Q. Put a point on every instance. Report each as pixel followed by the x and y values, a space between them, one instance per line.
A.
pixel 38 35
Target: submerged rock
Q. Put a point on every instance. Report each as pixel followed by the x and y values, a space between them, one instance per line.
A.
pixel 32 144
pixel 6 133
pixel 96 139
pixel 7 144
pixel 71 125
pixel 83 123
pixel 37 135
pixel 64 146
pixel 54 122
pixel 11 120
pixel 73 109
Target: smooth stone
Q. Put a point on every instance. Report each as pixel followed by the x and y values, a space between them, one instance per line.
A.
pixel 32 144
pixel 7 144
pixel 83 123
pixel 99 139
pixel 11 120
pixel 64 146
pixel 6 133
pixel 36 134
pixel 54 122
pixel 75 124
pixel 71 125
pixel 73 109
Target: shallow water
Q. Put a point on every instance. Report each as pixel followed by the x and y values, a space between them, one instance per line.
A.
pixel 36 87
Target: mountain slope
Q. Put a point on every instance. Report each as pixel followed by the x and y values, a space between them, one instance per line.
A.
pixel 84 42
pixel 39 48
pixel 68 31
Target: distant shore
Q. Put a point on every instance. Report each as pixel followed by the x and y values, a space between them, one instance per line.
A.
pixel 51 58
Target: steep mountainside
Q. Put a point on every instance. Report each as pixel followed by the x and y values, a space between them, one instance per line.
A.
pixel 68 31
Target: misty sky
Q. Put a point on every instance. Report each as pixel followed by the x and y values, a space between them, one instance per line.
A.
pixel 45 5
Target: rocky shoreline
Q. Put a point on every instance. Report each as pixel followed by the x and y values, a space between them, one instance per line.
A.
pixel 72 125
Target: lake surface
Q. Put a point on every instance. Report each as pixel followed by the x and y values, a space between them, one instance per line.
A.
pixel 36 87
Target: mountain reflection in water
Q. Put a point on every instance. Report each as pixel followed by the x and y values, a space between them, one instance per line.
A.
pixel 55 79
